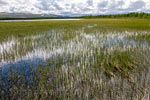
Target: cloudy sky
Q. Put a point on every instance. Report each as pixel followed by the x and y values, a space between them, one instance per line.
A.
pixel 71 7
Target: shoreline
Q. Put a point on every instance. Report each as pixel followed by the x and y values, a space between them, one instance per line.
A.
pixel 37 20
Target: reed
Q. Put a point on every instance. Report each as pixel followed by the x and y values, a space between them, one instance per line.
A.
pixel 100 59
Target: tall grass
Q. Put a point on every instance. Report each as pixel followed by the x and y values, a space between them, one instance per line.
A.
pixel 100 59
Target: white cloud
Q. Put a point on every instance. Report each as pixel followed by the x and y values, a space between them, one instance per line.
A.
pixel 69 7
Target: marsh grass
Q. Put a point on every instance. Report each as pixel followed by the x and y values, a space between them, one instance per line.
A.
pixel 141 37
pixel 121 63
pixel 75 60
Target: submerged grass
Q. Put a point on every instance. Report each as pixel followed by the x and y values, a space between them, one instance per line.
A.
pixel 100 59
pixel 141 37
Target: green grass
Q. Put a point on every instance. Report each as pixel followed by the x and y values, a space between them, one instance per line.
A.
pixel 102 59
pixel 21 29
pixel 141 37
pixel 119 63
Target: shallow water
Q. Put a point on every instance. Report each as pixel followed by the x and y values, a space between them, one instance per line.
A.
pixel 21 65
pixel 37 20
pixel 50 45
pixel 78 53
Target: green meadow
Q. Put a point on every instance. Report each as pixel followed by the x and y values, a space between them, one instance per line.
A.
pixel 87 59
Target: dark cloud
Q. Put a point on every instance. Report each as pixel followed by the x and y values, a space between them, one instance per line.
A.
pixel 57 6
pixel 85 10
pixel 136 5
pixel 12 9
pixel 102 4
pixel 90 2
pixel 73 6
pixel 116 4
pixel 48 6
pixel 3 3
pixel 133 7
pixel 120 3
pixel 117 7
pixel 45 6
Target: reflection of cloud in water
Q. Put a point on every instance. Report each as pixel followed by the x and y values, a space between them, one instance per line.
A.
pixel 55 50
pixel 22 66
pixel 7 46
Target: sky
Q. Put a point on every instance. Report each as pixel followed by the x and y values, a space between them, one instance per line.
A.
pixel 74 7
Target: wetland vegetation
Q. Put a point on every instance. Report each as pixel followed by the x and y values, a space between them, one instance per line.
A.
pixel 88 59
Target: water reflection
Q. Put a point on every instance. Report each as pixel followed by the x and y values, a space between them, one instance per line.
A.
pixel 22 66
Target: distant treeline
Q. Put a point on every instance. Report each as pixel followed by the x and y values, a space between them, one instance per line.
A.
pixel 129 15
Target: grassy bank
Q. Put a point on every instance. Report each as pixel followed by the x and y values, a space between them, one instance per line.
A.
pixel 20 29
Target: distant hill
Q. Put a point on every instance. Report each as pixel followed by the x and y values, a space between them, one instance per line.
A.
pixel 17 16
pixel 25 15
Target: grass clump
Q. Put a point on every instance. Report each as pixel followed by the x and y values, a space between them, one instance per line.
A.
pixel 119 63
pixel 141 37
